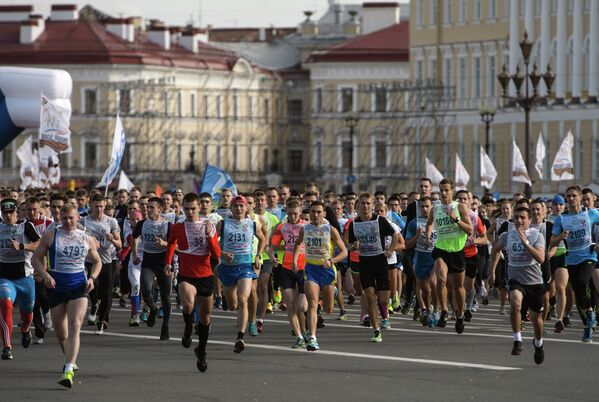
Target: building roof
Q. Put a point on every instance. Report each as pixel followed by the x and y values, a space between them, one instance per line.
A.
pixel 88 42
pixel 388 44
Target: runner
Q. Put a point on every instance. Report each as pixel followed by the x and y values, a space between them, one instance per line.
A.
pixel 67 283
pixel 452 222
pixel 236 271
pixel 133 269
pixel 525 248
pixel 17 242
pixel 320 239
pixel 196 242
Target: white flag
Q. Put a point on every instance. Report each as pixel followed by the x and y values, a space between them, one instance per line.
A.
pixel 432 173
pixel 54 133
pixel 462 177
pixel 488 173
pixel 29 165
pixel 124 182
pixel 519 171
pixel 118 149
pixel 563 164
pixel 540 155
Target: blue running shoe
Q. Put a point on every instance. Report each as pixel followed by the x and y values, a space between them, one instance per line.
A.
pixel 312 345
pixel 591 319
pixel 587 335
pixel 253 328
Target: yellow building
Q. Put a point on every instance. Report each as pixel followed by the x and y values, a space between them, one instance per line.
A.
pixel 465 43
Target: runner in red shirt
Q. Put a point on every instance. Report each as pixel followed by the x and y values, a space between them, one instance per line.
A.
pixel 196 241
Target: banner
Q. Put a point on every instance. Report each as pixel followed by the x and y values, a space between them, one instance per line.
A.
pixel 462 177
pixel 29 165
pixel 118 149
pixel 54 133
pixel 215 179
pixel 488 173
pixel 540 155
pixel 563 164
pixel 432 173
pixel 124 182
pixel 519 171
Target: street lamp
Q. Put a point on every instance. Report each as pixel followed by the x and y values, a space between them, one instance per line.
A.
pixel 351 121
pixel 526 101
pixel 487 114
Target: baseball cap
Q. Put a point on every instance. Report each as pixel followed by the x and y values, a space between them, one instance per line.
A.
pixel 8 204
pixel 558 199
pixel 240 198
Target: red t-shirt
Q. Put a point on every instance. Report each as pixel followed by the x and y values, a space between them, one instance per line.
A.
pixel 195 242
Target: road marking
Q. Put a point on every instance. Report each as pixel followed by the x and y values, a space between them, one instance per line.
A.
pixel 331 353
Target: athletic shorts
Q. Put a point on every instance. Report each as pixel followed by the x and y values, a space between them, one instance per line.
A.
pixel 374 272
pixel 473 264
pixel 456 262
pixel 501 275
pixel 320 275
pixel 533 295
pixel 267 267
pixel 57 297
pixel 423 271
pixel 230 274
pixel 354 267
pixel 342 268
pixel 557 262
pixel 21 291
pixel 204 286
pixel 291 280
pixel 392 266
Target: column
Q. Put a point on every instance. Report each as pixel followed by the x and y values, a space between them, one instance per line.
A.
pixel 545 42
pixel 577 52
pixel 529 19
pixel 561 60
pixel 593 51
pixel 514 41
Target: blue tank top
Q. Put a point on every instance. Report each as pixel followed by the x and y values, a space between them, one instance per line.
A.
pixel 237 239
pixel 67 258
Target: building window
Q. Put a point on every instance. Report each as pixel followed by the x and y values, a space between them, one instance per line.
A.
pixel 7 157
pixel 235 100
pixel 295 158
pixel 318 154
pixel 447 75
pixel 447 12
pixel 124 101
pixel 492 11
pixel 347 100
pixel 477 77
pixel 250 107
pixel 206 107
pixel 463 10
pixel 380 99
pixel 91 155
pixel 432 17
pixel 346 154
pixel 491 78
pixel 179 104
pixel 477 10
pixel 463 77
pixel 380 151
pixel 295 112
pixel 219 107
pixel 419 12
pixel 219 151
pixel 165 102
pixel 419 72
pixel 192 105
pixel 90 105
pixel 266 154
pixel 235 155
pixel 125 162
pixel 317 100
pixel 266 110
pixel 179 157
pixel 432 69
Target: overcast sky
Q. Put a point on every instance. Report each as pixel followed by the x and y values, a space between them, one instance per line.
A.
pixel 219 13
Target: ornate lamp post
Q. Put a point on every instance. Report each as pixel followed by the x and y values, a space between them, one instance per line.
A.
pixel 487 114
pixel 351 121
pixel 526 100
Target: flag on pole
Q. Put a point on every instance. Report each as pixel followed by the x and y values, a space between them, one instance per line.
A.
pixel 462 177
pixel 158 190
pixel 216 179
pixel 432 173
pixel 540 155
pixel 54 132
pixel 563 164
pixel 519 171
pixel 124 182
pixel 29 165
pixel 488 173
pixel 118 149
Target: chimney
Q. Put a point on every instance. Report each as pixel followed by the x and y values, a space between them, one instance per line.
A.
pixel 175 34
pixel 64 12
pixel 262 34
pixel 190 38
pixel 31 29
pixel 352 27
pixel 159 34
pixel 121 27
pixel 15 13
pixel 376 16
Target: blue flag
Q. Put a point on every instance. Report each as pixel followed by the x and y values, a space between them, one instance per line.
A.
pixel 216 179
pixel 118 149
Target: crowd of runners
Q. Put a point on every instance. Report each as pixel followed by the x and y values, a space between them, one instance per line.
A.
pixel 434 254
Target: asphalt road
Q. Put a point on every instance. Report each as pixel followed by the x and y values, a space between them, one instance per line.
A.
pixel 413 363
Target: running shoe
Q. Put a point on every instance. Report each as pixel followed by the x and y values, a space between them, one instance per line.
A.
pixel 224 304
pixel 517 348
pixel 567 322
pixel 48 321
pixel 459 325
pixel 342 315
pixel 91 318
pixel 75 367
pixel 416 316
pixel 312 345
pixel 385 323
pixel 252 328
pixel 186 341
pixel 116 292
pixel 539 353
pixel 122 303
pixel 430 322
pixel 239 346
pixel 202 364
pixel 67 379
pixel 164 335
pixel 300 343
pixel 502 310
pixel 26 338
pixel 152 317
pixel 100 327
pixel 485 300
pixel 442 320
pixel 134 321
pixel 277 297
pixel 306 335
pixel 320 322
pixel 38 341
pixel 283 306
pixel 587 335
pixel 406 308
pixel 474 306
pixel 559 326
pixel 6 354
pixel 269 308
pixel 390 309
pixel 259 326
pixel 144 316
pixel 424 318
pixel 395 303
pixel 591 319
pixel 160 312
pixel 351 299
pixel 365 322
pixel 468 315
pixel 217 302
pixel 377 337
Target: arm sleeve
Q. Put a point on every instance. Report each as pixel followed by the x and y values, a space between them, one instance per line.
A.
pixel 540 241
pixel 172 244
pixel 31 233
pixel 114 226
pixel 557 226
pixel 214 246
